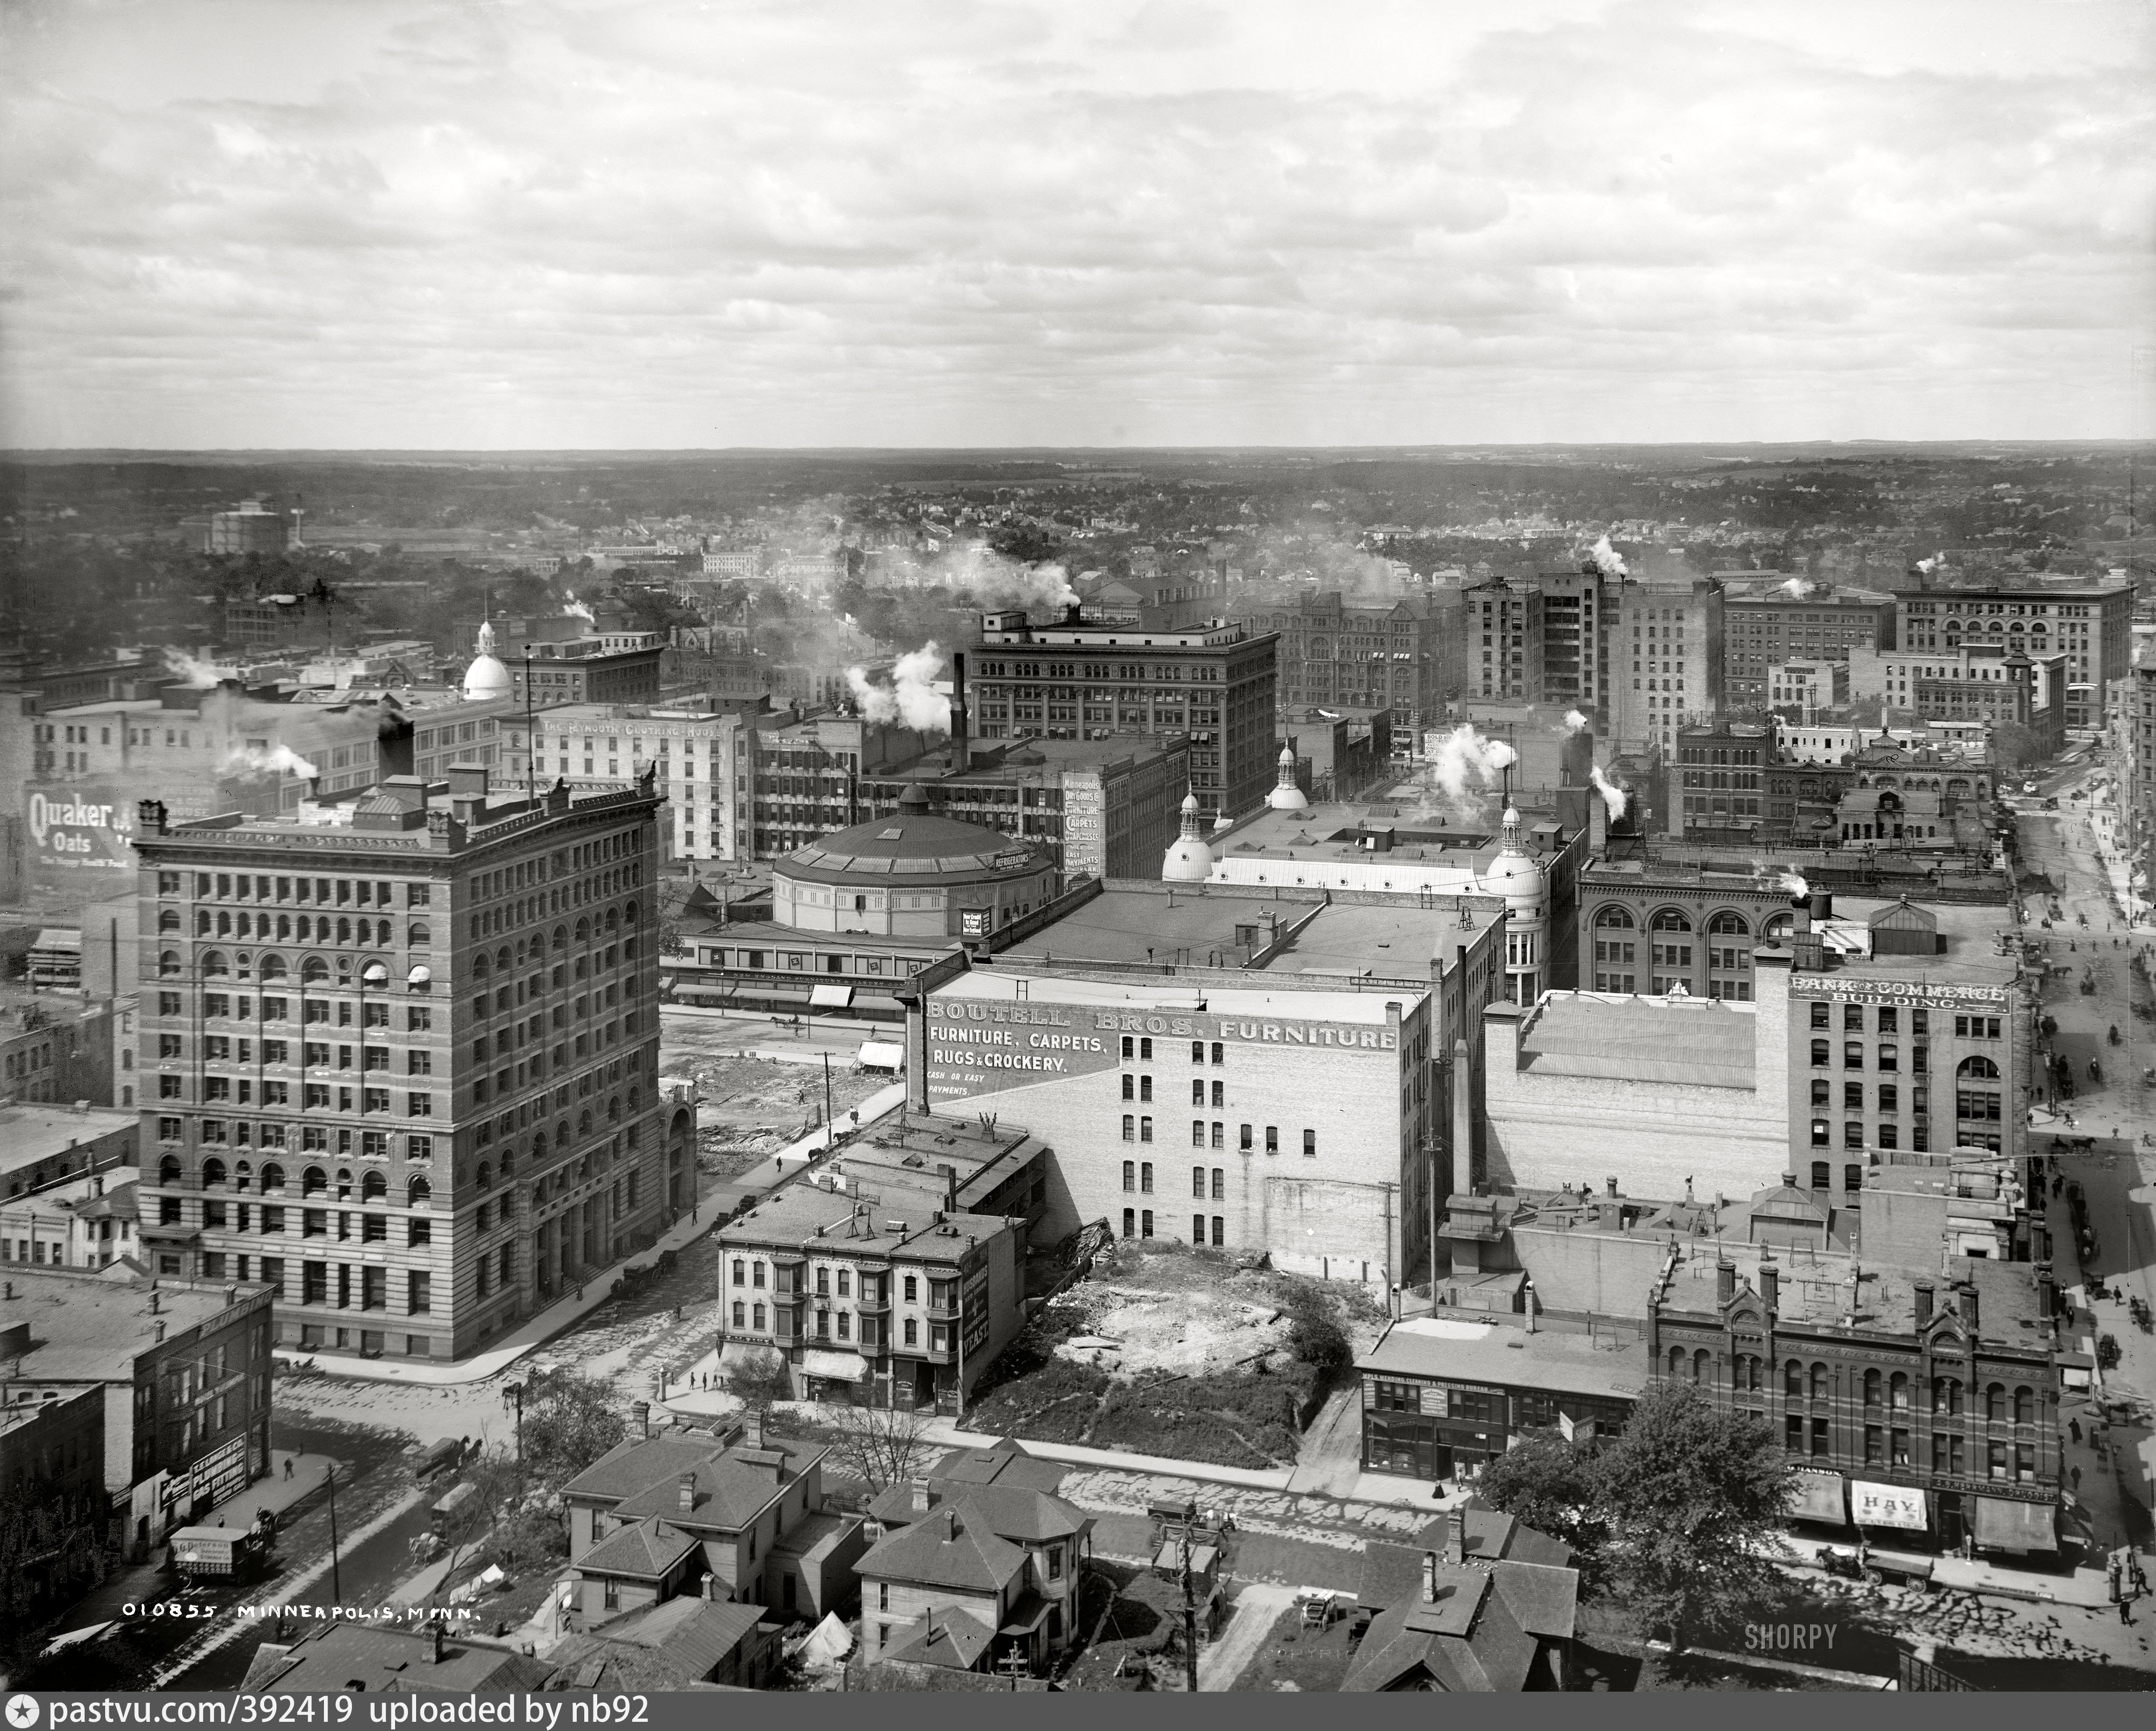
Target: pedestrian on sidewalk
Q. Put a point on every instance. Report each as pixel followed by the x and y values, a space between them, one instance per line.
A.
pixel 2074 1427
pixel 2074 1473
pixel 288 1468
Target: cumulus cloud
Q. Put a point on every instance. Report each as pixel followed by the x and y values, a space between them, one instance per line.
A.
pixel 944 222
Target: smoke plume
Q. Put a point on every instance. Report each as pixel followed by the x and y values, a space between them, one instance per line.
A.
pixel 1463 753
pixel 911 699
pixel 572 608
pixel 1791 882
pixel 193 671
pixel 1605 558
pixel 1572 723
pixel 1798 588
pixel 248 760
pixel 1612 796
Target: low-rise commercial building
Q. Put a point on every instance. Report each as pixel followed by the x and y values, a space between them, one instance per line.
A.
pixel 84 1222
pixel 44 1144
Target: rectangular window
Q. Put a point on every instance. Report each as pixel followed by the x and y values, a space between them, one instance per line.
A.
pixel 1197 1183
pixel 1145 1178
pixel 1145 1129
pixel 1272 1138
pixel 1310 1144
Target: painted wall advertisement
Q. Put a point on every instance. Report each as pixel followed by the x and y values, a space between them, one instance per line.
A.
pixel 78 828
pixel 984 1047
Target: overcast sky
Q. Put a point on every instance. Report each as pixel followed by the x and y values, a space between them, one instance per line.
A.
pixel 609 222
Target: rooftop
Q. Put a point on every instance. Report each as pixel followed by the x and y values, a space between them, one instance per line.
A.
pixel 1279 995
pixel 949 1547
pixel 1602 1365
pixel 84 1325
pixel 31 1131
pixel 913 845
pixel 1240 927
pixel 906 1148
pixel 382 1658
pixel 1832 1289
pixel 1705 1042
pixel 860 1220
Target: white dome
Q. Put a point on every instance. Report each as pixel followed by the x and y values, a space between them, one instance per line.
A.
pixel 1514 875
pixel 1285 795
pixel 1188 861
pixel 486 677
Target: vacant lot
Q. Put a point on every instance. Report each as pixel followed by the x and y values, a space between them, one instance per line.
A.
pixel 1177 1351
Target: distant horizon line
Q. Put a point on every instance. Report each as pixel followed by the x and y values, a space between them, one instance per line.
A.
pixel 145 452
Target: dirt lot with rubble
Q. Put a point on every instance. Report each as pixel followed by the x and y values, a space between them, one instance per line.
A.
pixel 1165 1349
pixel 751 1107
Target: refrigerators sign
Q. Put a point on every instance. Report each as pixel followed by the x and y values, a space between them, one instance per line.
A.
pixel 976 1046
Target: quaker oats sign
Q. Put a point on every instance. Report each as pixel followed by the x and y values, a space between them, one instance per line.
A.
pixel 81 827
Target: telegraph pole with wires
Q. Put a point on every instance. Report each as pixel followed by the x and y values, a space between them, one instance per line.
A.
pixel 1190 1606
pixel 531 739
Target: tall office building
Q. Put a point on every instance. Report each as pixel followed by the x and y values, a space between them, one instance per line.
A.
pixel 405 1049
pixel 1809 622
pixel 1666 660
pixel 2091 624
pixel 1505 641
pixel 1402 654
pixel 1075 680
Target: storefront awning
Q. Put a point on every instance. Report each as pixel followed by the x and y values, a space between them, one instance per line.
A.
pixel 1819 1498
pixel 881 1054
pixel 2002 1526
pixel 834 1367
pixel 830 997
pixel 1871 1505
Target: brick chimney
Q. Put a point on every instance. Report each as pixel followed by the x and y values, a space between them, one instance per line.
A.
pixel 434 1642
pixel 1924 1290
pixel 924 1499
pixel 642 1411
pixel 1455 1538
pixel 1429 1577
pixel 1969 1314
pixel 1725 1281
pixel 2047 1292
pixel 686 1487
pixel 756 1418
pixel 1770 1284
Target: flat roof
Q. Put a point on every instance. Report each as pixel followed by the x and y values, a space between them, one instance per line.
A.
pixel 1828 1287
pixel 31 1131
pixel 1146 923
pixel 87 1327
pixel 1706 1042
pixel 1610 1366
pixel 1330 833
pixel 1970 954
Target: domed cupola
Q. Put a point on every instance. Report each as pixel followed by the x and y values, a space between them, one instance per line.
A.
pixel 1285 795
pixel 1188 860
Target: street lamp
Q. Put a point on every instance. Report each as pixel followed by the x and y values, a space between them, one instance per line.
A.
pixel 512 1395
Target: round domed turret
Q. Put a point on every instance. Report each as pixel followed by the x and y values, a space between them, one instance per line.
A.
pixel 1188 860
pixel 1516 875
pixel 1285 795
pixel 486 677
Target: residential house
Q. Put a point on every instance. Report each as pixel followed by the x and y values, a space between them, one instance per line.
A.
pixel 681 1644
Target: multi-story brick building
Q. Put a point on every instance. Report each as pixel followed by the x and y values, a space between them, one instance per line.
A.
pixel 1504 632
pixel 405 1048
pixel 1402 654
pixel 2091 624
pixel 1920 1407
pixel 1665 664
pixel 1075 680
pixel 1722 777
pixel 1796 620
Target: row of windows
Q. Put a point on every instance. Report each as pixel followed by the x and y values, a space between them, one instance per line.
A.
pixel 1887 1019
pixel 1140 1129
pixel 299 891
pixel 217 1006
pixel 1894 1391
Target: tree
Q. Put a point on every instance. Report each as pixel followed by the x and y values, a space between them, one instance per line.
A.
pixel 1551 1485
pixel 568 1423
pixel 2013 747
pixel 760 1379
pixel 1693 1498
pixel 881 1446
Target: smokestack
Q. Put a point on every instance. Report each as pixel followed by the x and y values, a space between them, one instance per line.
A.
pixel 950 1190
pixel 153 1301
pixel 1770 1284
pixel 1725 1281
pixel 1612 1182
pixel 1822 902
pixel 1924 1304
pixel 1071 614
pixel 1800 915
pixel 961 744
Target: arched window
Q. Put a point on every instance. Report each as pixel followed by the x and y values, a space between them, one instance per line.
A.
pixel 213 1172
pixel 273 1176
pixel 1946 1395
pixel 1677 1361
pixel 2024 1406
pixel 583 933
pixel 1793 1379
pixel 215 965
pixel 1702 1366
pixel 484 1177
pixel 1994 1403
pixel 168 963
pixel 314 1181
pixel 272 967
pixel 584 1122
pixel 480 968
pixel 169 921
pixel 501 961
pixel 1874 1387
pixel 168 1170
pixel 630 913
pixel 1778 926
pixel 418 1192
pixel 614 1109
pixel 1897 1391
pixel 343 1182
pixel 1727 924
pixel 508 1162
pixel 373 1185
pixel 313 970
pixel 633 1097
pixel 1614 919
pixel 1819 1381
pixel 344 931
pixel 1979 1067
pixel 560 937
pixel 1672 919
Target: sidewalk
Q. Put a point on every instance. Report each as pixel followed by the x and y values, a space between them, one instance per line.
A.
pixel 2083 1587
pixel 564 1313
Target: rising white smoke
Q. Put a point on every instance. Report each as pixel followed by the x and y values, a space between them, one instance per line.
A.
pixel 1612 796
pixel 1606 559
pixel 572 608
pixel 911 699
pixel 194 672
pixel 1463 753
pixel 1929 566
pixel 1792 881
pixel 247 760
pixel 1573 723
pixel 1798 588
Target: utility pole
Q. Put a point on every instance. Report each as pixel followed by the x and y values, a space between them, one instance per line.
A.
pixel 1190 1606
pixel 830 1130
pixel 337 1584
